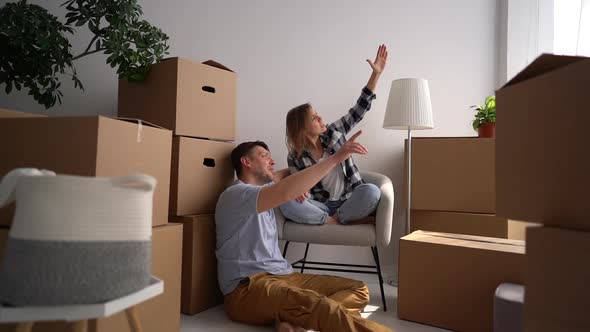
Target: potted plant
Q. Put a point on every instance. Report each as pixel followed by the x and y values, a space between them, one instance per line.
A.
pixel 485 118
pixel 36 54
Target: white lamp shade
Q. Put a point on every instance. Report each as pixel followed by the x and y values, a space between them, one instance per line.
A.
pixel 409 105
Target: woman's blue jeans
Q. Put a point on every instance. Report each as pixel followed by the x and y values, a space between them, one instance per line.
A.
pixel 360 204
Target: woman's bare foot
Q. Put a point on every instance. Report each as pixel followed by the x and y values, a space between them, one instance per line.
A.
pixel 366 220
pixel 331 220
pixel 286 327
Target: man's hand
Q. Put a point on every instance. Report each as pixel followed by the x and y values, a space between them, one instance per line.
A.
pixel 350 147
pixel 380 60
pixel 302 198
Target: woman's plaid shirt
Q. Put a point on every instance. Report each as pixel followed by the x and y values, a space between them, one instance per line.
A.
pixel 332 140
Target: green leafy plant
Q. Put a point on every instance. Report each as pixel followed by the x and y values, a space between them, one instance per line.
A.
pixel 132 44
pixel 485 113
pixel 36 53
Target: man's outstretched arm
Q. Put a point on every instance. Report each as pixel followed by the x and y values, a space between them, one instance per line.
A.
pixel 281 174
pixel 297 184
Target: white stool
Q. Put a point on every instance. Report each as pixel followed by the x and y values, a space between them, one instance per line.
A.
pixel 80 314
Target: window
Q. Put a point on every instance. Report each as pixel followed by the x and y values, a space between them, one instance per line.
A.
pixel 571 28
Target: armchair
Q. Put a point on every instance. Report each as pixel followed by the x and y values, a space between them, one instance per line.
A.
pixel 367 235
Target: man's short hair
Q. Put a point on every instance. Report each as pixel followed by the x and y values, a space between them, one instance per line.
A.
pixel 243 150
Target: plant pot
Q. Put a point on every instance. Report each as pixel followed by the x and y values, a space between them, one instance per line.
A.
pixel 487 130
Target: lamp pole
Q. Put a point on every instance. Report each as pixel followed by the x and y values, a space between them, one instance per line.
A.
pixel 409 198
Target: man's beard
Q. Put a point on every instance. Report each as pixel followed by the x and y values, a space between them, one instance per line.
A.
pixel 263 177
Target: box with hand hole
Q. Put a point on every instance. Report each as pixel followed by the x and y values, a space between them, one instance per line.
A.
pixel 201 170
pixel 192 99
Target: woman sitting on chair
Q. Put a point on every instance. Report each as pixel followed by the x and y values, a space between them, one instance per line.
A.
pixel 341 197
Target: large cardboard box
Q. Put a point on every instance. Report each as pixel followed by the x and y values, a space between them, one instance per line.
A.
pixel 5 113
pixel 158 314
pixel 88 146
pixel 449 280
pixel 193 99
pixel 200 288
pixel 453 174
pixel 201 170
pixel 459 223
pixel 541 159
pixel 557 294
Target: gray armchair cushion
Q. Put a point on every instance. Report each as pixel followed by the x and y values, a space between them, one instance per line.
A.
pixel 351 235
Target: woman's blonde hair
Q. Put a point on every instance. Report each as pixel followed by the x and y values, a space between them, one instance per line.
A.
pixel 295 137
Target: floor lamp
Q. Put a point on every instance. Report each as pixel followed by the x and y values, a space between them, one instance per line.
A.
pixel 409 108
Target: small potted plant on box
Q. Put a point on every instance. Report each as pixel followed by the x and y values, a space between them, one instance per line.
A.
pixel 485 118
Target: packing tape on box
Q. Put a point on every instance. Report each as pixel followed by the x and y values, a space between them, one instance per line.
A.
pixel 139 126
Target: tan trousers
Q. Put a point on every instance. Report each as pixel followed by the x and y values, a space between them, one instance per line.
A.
pixel 316 302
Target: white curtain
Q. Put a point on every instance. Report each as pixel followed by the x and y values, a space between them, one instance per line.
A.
pixel 529 32
pixel 542 26
pixel 572 27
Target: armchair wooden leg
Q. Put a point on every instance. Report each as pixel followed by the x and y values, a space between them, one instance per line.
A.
pixel 24 327
pixel 133 319
pixel 80 326
pixel 378 264
pixel 304 257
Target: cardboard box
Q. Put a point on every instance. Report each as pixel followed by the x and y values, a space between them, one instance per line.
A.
pixel 517 229
pixel 449 280
pixel 161 313
pixel 200 288
pixel 5 113
pixel 201 170
pixel 459 223
pixel 541 160
pixel 557 294
pixel 453 174
pixel 192 99
pixel 88 146
pixel 158 314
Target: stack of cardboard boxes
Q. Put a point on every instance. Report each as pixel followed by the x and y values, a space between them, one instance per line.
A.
pixel 453 186
pixel 197 101
pixel 190 160
pixel 103 147
pixel 458 252
pixel 542 175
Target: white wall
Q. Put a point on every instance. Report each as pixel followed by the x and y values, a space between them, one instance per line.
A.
pixel 288 53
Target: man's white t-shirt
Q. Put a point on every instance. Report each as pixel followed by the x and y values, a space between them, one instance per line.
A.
pixel 247 241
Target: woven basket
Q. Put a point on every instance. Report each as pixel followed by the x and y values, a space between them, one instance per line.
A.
pixel 74 239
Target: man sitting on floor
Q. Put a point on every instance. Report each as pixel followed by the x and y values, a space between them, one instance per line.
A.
pixel 259 285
